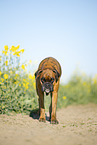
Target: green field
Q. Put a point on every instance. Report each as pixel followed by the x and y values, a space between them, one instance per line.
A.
pixel 17 86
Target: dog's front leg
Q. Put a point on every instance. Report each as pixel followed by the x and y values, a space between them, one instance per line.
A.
pixel 41 108
pixel 54 105
pixel 54 97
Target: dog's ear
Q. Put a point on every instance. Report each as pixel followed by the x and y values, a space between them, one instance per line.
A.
pixel 37 73
pixel 57 75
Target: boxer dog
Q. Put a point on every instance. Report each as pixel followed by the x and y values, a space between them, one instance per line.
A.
pixel 47 81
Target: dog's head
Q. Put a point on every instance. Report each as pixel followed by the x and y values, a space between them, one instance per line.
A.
pixel 47 79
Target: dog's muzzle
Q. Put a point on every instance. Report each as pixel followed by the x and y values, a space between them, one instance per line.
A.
pixel 47 88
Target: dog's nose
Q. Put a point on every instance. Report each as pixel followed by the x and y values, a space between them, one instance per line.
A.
pixel 47 85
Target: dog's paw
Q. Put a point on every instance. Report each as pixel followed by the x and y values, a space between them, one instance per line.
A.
pixel 42 120
pixel 54 121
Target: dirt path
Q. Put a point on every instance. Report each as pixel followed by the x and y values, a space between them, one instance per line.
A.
pixel 78 126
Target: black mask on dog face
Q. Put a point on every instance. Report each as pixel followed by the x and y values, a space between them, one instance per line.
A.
pixel 47 86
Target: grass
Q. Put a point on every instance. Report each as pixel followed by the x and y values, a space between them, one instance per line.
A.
pixel 17 86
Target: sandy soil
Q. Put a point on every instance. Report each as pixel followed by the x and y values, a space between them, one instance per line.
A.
pixel 78 126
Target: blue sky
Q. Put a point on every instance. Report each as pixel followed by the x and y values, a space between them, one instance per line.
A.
pixel 64 29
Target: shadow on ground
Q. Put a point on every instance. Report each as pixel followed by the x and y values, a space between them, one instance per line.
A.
pixel 35 114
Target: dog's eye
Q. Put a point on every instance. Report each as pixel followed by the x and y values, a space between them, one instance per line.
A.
pixel 52 80
pixel 43 80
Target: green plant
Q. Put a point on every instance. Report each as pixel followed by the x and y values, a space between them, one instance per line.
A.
pixel 81 89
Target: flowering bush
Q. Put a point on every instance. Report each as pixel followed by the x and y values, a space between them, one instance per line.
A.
pixel 17 88
pixel 81 89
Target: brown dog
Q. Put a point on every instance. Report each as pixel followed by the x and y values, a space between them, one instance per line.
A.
pixel 47 80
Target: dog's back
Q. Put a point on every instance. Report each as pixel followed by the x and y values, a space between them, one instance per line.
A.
pixel 50 63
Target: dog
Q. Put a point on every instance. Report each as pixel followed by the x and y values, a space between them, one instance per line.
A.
pixel 47 82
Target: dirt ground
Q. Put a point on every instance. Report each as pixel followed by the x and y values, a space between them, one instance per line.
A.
pixel 78 126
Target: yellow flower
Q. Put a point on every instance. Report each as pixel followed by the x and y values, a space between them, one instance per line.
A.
pixel 64 97
pixel 24 80
pixel 16 48
pixel 2 79
pixel 0 73
pixel 20 85
pixel 12 48
pixel 22 50
pixel 16 76
pixel 3 107
pixel 31 77
pixel 17 53
pixel 6 47
pixel 95 79
pixel 6 76
pixel 23 66
pixel 16 82
pixel 30 61
pixel 11 72
pixel 4 52
pixel 26 85
pixel 84 83
pixel 0 58
pixel 6 62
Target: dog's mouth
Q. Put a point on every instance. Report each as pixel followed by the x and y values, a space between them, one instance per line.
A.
pixel 47 91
